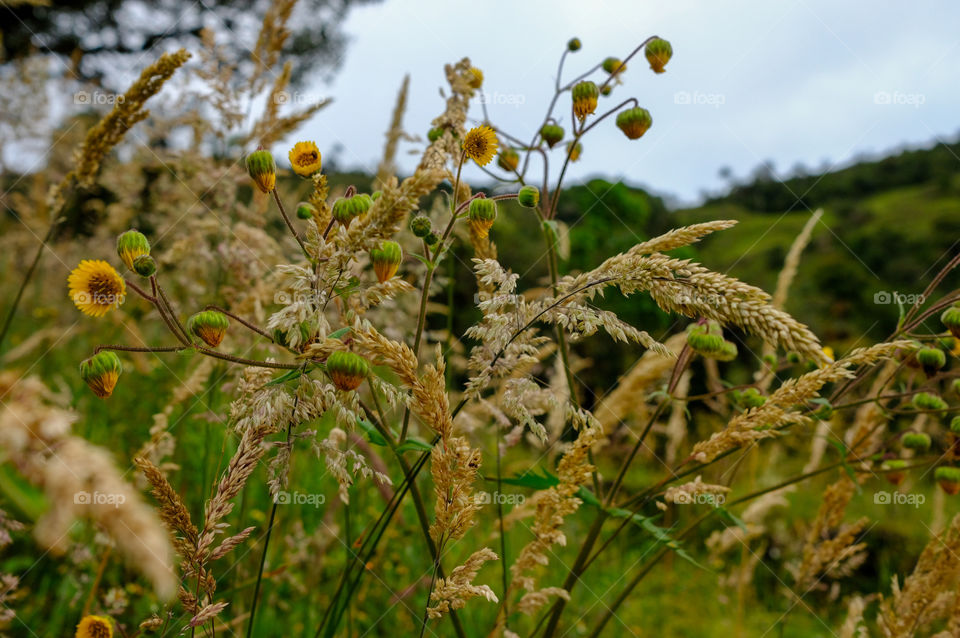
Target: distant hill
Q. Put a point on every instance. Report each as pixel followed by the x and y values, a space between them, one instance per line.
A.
pixel 888 226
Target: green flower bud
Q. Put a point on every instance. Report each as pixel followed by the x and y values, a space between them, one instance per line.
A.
pixel 421 226
pixel 573 44
pixel 606 90
pixel 529 196
pixel 951 320
pixel 915 441
pixel 955 425
pixel 613 66
pixel 634 122
pixel 551 134
pixel 347 370
pixel 131 245
pixel 262 170
pixel 434 134
pixel 482 214
pixel 375 195
pixel 751 398
pixel 893 470
pixel 931 360
pixel 210 326
pixel 305 210
pixel 386 259
pixel 346 209
pixel 145 266
pixel 574 151
pixel 793 358
pixel 928 401
pixel 508 159
pixel 585 96
pixel 948 478
pixel 728 352
pixel 101 372
pixel 432 238
pixel 658 52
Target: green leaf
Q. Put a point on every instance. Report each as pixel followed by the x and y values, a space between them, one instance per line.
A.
pixel 371 432
pixel 730 517
pixel 415 444
pixel 289 375
pixel 531 479
pixel 423 260
pixel 336 334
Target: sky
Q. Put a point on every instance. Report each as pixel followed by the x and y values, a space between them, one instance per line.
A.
pixel 812 82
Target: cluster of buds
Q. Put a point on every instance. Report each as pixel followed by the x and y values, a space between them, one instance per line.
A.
pixel 347 370
pixel 482 214
pixel 134 251
pixel 346 209
pixel 421 227
pixel 706 339
pixel 209 326
pixel 386 259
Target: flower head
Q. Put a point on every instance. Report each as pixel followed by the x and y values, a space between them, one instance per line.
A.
pixel 346 208
pixel 551 134
pixel 585 96
pixel 476 78
pixel 508 159
pixel 94 627
pixel 210 326
pixel 574 150
pixel 529 196
pixel 262 170
pixel 573 44
pixel 130 245
pixel 482 214
pixel 386 259
pixel 614 66
pixel 658 52
pixel 305 210
pixel 634 122
pixel 480 144
pixel 96 287
pixel 347 370
pixel 305 158
pixel 101 372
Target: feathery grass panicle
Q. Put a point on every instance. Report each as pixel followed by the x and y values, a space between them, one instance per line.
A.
pixel 451 122
pixel 777 412
pixel 454 592
pixel 831 550
pixel 929 593
pixel 387 167
pixel 173 512
pixel 126 112
pixel 792 261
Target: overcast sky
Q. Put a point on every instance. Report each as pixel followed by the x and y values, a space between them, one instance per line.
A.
pixel 807 81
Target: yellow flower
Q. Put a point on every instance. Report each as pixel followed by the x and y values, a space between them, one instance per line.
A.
pixel 480 144
pixel 828 352
pixel 476 78
pixel 94 627
pixel 305 158
pixel 96 287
